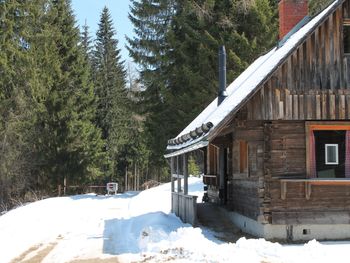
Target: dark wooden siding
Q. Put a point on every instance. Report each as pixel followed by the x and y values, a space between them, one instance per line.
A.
pixel 285 148
pixel 246 190
pixel 328 204
pixel 313 83
pixel 212 170
pixel 282 104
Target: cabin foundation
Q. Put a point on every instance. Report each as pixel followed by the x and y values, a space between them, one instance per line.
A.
pixel 291 233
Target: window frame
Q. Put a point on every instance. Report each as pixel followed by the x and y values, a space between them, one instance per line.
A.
pixel 336 154
pixel 320 126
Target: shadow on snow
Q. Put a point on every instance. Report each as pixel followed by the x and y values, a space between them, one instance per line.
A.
pixel 134 234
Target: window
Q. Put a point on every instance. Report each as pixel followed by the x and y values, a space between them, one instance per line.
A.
pixel 243 157
pixel 346 37
pixel 328 161
pixel 332 156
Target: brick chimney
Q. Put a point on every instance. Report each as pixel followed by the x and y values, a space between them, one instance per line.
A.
pixel 291 12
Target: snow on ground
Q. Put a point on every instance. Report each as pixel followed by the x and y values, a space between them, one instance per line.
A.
pixel 134 227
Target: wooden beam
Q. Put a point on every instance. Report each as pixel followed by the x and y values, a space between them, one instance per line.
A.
pixel 178 173
pixel 185 171
pixel 309 183
pixel 172 169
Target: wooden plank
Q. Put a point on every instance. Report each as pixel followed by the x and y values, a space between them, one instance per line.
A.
pixel 332 110
pixel 309 107
pixel 289 105
pixel 323 55
pixel 250 109
pixel 249 135
pixel 315 74
pixel 302 62
pixel 301 107
pixel 270 100
pixel 295 107
pixel 318 107
pixel 308 68
pixel 324 105
pixel 279 109
pixel 331 53
pixel 296 70
pixel 341 53
pixel 283 190
pixel 336 44
pixel 342 107
pixel 289 74
pixel 262 99
pixel 257 107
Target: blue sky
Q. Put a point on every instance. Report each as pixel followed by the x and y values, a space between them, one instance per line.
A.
pixel 90 10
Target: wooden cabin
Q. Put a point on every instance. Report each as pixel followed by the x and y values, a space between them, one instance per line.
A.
pixel 277 147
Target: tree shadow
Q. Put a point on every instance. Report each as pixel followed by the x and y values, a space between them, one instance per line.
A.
pixel 133 235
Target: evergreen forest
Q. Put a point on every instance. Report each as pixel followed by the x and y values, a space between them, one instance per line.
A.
pixel 73 114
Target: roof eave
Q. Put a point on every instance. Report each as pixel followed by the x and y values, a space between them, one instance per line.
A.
pixel 189 148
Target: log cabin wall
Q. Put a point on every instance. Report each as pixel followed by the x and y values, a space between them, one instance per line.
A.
pixel 285 158
pixel 313 83
pixel 212 170
pixel 245 193
pixel 327 204
pixel 285 149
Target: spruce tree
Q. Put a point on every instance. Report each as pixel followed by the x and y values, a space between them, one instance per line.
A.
pixel 113 115
pixel 176 45
pixel 70 144
pixel 86 42
pixel 316 6
pixel 149 49
pixel 17 104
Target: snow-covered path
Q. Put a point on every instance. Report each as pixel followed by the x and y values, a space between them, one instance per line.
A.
pixel 134 227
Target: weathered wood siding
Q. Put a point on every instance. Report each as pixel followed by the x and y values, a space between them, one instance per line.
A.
pixel 285 149
pixel 212 170
pixel 282 104
pixel 328 204
pixel 245 190
pixel 313 83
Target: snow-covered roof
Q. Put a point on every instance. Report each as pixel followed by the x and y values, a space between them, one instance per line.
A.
pixel 250 80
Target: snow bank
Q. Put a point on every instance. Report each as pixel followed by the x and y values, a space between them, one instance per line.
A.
pixel 135 227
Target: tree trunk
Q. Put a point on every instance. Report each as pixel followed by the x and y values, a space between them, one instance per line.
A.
pixel 126 178
pixel 135 179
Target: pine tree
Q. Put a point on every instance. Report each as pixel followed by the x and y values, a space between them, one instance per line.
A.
pixel 17 105
pixel 176 46
pixel 113 115
pixel 86 42
pixel 70 144
pixel 149 49
pixel 316 6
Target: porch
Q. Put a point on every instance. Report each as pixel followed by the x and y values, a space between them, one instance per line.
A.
pixel 182 204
